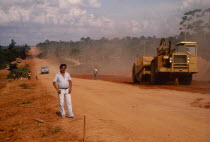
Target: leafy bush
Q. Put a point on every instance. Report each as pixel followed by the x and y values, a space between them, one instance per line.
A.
pixel 3 65
pixel 12 66
pixel 24 71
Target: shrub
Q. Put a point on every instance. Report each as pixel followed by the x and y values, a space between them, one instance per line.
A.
pixel 56 130
pixel 24 71
pixel 12 66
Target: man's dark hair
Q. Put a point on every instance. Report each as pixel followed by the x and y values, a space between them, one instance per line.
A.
pixel 63 65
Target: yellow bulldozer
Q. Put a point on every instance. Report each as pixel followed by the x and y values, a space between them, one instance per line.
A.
pixel 169 64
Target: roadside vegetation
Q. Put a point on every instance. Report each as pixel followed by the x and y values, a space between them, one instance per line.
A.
pixel 10 53
pixel 17 71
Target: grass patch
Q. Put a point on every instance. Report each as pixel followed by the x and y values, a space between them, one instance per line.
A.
pixel 50 131
pixel 25 86
pixel 55 130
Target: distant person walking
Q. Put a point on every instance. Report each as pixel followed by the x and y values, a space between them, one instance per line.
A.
pixel 63 84
pixel 21 75
pixel 29 75
pixel 95 73
pixel 14 76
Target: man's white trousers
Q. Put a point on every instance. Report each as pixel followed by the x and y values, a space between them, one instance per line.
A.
pixel 64 95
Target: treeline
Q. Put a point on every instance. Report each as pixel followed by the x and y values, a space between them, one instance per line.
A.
pixel 87 48
pixel 91 47
pixel 128 47
pixel 109 55
pixel 10 53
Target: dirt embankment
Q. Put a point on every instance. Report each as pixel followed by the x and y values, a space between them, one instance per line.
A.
pixel 29 112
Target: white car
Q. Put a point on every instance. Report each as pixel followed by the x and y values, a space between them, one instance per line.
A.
pixel 44 70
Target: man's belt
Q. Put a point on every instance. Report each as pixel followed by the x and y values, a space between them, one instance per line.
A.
pixel 63 88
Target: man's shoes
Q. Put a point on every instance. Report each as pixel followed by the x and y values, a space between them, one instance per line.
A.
pixel 68 117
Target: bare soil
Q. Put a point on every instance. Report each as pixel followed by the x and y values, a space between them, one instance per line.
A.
pixel 196 87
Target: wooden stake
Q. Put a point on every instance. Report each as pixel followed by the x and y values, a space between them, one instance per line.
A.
pixel 84 133
pixel 39 120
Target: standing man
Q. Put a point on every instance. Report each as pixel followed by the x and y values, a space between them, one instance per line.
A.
pixel 29 75
pixel 95 73
pixel 64 88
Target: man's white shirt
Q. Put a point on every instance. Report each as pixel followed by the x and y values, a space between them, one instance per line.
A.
pixel 95 71
pixel 63 81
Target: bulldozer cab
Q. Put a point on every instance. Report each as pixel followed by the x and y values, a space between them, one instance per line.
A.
pixel 187 47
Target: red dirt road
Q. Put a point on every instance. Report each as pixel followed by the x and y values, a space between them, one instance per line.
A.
pixel 115 112
pixel 196 87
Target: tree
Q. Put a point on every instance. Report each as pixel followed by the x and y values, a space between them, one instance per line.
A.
pixel 12 44
pixel 195 21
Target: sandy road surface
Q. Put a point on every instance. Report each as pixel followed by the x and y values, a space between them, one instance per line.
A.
pixel 115 112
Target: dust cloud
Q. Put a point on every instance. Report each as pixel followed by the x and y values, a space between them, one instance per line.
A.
pixel 110 57
pixel 203 61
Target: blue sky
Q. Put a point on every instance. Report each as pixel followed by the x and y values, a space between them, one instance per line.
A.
pixel 33 21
